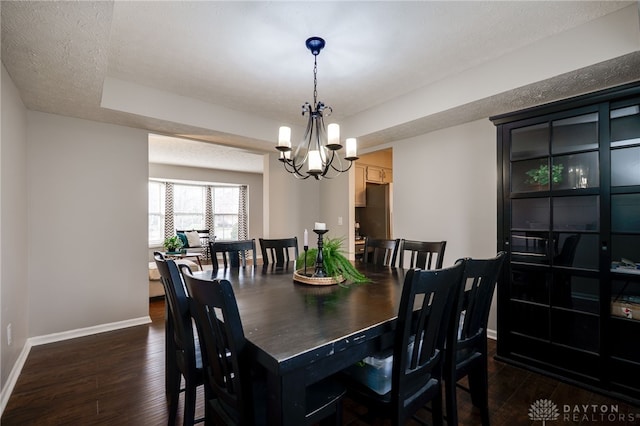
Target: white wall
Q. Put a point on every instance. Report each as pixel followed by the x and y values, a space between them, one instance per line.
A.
pixel 445 188
pixel 291 205
pixel 252 180
pixel 87 216
pixel 13 227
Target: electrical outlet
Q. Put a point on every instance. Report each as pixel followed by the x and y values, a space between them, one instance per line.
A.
pixel 9 337
pixel 339 220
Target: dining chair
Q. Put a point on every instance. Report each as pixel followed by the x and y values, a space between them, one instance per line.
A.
pixel 233 253
pixel 422 254
pixel 238 391
pixel 182 353
pixel 466 354
pixel 380 251
pixel 418 349
pixel 278 250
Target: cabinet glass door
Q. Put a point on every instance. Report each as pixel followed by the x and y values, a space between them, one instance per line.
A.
pixel 625 244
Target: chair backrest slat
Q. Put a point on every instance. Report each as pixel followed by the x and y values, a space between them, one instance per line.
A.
pixel 233 253
pixel 422 254
pixel 277 250
pixel 380 251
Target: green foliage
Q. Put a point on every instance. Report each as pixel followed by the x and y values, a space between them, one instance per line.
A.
pixel 540 176
pixel 334 261
pixel 172 243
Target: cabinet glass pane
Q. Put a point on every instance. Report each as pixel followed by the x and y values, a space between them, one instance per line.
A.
pixel 575 134
pixel 575 329
pixel 530 247
pixel 576 250
pixel 625 166
pixel 625 125
pixel 531 141
pixel 530 319
pixel 625 298
pixel 529 285
pixel 530 175
pixel 576 171
pixel 576 213
pixel 625 247
pixel 625 345
pixel 532 213
pixel 625 311
pixel 577 293
pixel 625 213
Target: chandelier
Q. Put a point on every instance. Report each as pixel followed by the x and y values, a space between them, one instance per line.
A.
pixel 317 153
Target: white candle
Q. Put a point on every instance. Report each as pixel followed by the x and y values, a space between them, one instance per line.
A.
pixel 319 226
pixel 352 148
pixel 333 134
pixel 315 165
pixel 306 238
pixel 284 136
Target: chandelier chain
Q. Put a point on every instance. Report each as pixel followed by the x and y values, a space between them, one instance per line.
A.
pixel 315 80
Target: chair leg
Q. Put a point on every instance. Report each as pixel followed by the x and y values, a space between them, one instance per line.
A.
pixel 478 386
pixel 189 403
pixel 172 391
pixel 173 406
pixel 451 401
pixel 171 372
pixel 436 410
pixel 208 410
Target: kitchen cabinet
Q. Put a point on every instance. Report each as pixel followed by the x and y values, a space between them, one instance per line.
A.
pixel 569 219
pixel 361 188
pixel 377 174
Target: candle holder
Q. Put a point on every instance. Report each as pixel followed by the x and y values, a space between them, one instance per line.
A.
pixel 319 276
pixel 319 271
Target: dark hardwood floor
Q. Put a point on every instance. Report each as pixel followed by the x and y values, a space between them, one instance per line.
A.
pixel 117 378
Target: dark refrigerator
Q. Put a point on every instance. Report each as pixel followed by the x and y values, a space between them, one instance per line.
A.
pixel 374 219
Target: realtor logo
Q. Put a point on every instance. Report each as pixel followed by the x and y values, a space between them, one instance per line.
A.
pixel 543 409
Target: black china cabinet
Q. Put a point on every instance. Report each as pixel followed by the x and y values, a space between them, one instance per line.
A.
pixel 569 218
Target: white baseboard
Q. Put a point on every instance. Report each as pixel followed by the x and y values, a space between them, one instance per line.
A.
pixel 492 334
pixel 7 389
pixel 81 332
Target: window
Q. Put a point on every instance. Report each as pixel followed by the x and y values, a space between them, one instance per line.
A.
pixel 188 207
pixel 156 213
pixel 188 210
pixel 225 213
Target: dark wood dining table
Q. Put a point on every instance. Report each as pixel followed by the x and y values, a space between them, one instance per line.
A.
pixel 303 333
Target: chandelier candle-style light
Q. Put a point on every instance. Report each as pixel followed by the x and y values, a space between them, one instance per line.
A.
pixel 315 154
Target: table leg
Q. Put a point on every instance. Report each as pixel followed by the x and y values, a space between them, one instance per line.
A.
pixel 286 400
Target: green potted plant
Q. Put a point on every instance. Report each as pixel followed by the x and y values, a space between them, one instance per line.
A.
pixel 540 176
pixel 334 261
pixel 172 244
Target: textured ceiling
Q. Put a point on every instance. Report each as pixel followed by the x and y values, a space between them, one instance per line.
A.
pixel 180 151
pixel 250 57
